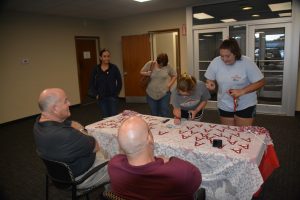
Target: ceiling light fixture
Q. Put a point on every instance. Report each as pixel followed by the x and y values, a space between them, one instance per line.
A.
pixel 280 6
pixel 228 20
pixel 202 16
pixel 141 1
pixel 285 14
pixel 255 15
pixel 247 8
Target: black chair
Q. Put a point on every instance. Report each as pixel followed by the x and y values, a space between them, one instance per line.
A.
pixel 62 177
pixel 200 194
pixel 109 195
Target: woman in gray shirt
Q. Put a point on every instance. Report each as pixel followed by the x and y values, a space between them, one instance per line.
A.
pixel 158 92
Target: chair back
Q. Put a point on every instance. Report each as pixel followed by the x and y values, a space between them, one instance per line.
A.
pixel 60 173
pixel 109 195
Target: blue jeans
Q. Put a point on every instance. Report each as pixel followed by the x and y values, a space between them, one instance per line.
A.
pixel 160 107
pixel 108 106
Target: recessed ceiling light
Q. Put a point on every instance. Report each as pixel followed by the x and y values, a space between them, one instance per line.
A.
pixel 247 8
pixel 228 20
pixel 202 16
pixel 280 6
pixel 141 0
pixel 285 14
pixel 255 15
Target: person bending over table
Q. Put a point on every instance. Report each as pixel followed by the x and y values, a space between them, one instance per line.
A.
pixel 139 174
pixel 62 140
pixel 189 99
pixel 238 79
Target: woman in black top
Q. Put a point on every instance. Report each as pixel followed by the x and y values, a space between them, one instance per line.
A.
pixel 106 84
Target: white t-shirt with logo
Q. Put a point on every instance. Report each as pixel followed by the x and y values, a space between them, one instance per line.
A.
pixel 236 76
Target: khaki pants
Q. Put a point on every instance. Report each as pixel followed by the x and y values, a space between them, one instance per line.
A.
pixel 98 177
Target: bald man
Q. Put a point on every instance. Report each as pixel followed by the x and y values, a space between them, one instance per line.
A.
pixel 138 174
pixel 62 140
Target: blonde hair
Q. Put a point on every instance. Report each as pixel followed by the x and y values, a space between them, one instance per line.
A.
pixel 186 83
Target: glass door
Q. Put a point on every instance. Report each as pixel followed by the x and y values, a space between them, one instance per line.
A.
pixel 267 47
pixel 206 48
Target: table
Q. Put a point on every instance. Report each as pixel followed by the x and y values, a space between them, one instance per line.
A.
pixel 234 171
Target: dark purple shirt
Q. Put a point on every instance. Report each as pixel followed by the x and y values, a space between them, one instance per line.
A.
pixel 174 180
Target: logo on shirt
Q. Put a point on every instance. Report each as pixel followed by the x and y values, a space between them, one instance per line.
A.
pixel 236 78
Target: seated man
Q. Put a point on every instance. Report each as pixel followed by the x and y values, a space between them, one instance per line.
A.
pixel 59 139
pixel 140 175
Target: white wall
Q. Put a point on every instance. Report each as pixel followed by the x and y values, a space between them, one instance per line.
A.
pixel 49 44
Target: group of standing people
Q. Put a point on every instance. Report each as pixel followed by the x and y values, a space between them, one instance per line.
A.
pixel 233 76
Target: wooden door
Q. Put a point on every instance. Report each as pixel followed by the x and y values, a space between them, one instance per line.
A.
pixel 136 52
pixel 86 52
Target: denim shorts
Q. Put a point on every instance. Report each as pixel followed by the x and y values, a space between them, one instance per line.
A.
pixel 249 112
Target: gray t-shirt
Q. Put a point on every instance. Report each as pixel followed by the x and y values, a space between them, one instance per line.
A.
pixel 160 77
pixel 191 102
pixel 236 76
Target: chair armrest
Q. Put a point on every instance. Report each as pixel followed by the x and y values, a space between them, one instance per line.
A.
pixel 91 172
pixel 200 194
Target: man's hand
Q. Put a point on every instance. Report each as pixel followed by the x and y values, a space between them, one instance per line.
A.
pixel 76 125
pixel 79 127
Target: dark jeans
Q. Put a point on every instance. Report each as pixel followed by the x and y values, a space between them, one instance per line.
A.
pixel 108 106
pixel 160 107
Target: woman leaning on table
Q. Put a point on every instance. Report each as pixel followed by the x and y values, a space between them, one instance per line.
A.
pixel 163 76
pixel 238 79
pixel 189 99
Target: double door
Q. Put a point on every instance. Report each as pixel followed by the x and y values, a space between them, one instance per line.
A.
pixel 267 45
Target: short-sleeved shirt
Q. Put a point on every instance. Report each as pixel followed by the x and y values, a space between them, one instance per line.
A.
pixel 160 77
pixel 60 142
pixel 191 102
pixel 174 180
pixel 236 76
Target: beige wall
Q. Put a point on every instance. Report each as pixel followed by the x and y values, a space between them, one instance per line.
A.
pixel 140 25
pixel 48 43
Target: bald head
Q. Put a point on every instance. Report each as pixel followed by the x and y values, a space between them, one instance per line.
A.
pixel 134 136
pixel 49 97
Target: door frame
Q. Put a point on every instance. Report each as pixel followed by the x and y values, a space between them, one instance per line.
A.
pixel 287 107
pixel 287 86
pixel 225 33
pixel 178 55
pixel 97 41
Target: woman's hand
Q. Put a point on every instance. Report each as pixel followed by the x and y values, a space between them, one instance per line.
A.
pixel 177 121
pixel 192 114
pixel 235 93
pixel 211 85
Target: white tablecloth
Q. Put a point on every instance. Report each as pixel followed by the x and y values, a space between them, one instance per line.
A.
pixel 230 172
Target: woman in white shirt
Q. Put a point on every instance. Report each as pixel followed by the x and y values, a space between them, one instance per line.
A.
pixel 238 79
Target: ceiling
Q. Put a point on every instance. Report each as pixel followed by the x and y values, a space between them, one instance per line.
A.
pixel 233 10
pixel 111 9
pixel 93 9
